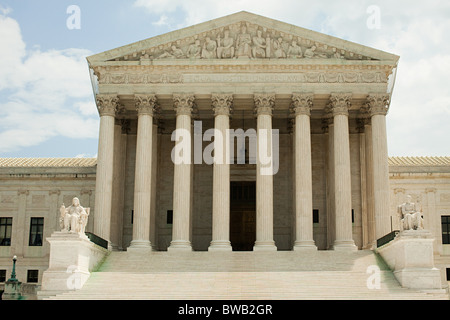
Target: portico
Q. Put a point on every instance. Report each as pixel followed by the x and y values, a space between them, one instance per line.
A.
pixel 312 106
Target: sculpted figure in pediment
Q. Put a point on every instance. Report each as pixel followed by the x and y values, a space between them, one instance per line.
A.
pixel 209 50
pixel 194 50
pixel 174 52
pixel 278 48
pixel 337 54
pixel 260 45
pixel 311 53
pixel 243 44
pixel 225 47
pixel 294 51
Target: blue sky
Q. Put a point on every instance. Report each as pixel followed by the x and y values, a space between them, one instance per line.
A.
pixel 47 107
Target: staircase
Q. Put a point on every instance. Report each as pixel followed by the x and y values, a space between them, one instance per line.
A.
pixel 282 275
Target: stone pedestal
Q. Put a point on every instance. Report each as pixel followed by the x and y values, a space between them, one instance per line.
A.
pixel 72 258
pixel 410 256
pixel 12 290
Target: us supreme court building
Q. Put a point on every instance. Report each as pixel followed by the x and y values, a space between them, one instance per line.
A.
pixel 326 97
pixel 238 134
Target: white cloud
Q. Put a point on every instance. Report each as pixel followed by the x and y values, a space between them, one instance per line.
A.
pixel 5 10
pixel 163 21
pixel 43 94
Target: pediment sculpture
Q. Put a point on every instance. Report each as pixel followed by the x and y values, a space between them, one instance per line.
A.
pixel 74 218
pixel 410 217
pixel 243 40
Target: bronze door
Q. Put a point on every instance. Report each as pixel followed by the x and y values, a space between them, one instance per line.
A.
pixel 243 215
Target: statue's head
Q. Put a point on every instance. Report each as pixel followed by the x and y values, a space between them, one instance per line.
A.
pixel 408 198
pixel 75 202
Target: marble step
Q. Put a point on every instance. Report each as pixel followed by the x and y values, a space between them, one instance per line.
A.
pixel 242 276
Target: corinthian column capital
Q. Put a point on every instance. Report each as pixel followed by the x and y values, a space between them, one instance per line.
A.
pixel 264 103
pixel 222 103
pixel 183 103
pixel 145 103
pixel 339 103
pixel 378 103
pixel 302 103
pixel 107 104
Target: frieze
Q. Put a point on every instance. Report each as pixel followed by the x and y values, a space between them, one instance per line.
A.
pixel 139 78
pixel 307 77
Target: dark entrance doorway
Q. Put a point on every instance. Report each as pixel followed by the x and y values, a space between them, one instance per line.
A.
pixel 243 215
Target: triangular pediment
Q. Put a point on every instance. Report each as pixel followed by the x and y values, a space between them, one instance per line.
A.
pixel 242 35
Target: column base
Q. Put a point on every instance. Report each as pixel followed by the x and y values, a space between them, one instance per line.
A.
pixel 180 245
pixel 305 245
pixel 220 245
pixel 137 246
pixel 344 245
pixel 265 246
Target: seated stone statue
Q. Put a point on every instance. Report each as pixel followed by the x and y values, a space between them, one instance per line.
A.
pixel 74 218
pixel 410 218
pixel 225 47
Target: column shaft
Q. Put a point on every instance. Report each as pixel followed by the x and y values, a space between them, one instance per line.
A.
pixel 143 174
pixel 182 176
pixel 378 108
pixel 331 214
pixel 303 173
pixel 380 176
pixel 342 174
pixel 153 235
pixel 264 176
pixel 117 191
pixel 107 105
pixel 221 176
pixel 369 185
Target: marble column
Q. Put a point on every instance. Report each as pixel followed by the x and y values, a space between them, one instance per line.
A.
pixel 222 104
pixel 118 186
pixel 331 223
pixel 340 103
pixel 378 108
pixel 301 106
pixel 183 104
pixel 264 104
pixel 371 238
pixel 155 149
pixel 107 106
pixel 145 105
